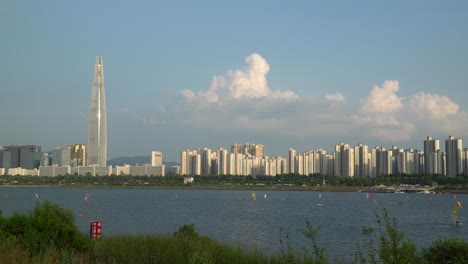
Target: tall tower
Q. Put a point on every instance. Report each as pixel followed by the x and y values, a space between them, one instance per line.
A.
pixel 97 130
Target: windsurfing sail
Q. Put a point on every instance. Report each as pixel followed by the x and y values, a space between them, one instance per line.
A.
pixel 456 212
pixel 320 200
pixel 254 196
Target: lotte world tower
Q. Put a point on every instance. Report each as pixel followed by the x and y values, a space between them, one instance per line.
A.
pixel 97 130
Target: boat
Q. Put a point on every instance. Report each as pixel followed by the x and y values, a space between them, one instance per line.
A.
pixel 320 200
pixel 455 216
pixel 254 196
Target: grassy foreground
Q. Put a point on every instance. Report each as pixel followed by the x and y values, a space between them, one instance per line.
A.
pixel 48 234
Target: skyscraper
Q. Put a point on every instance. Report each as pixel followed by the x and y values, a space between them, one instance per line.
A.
pixel 97 130
pixel 454 150
pixel 430 146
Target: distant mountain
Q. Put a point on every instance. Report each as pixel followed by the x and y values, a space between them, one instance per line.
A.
pixel 137 160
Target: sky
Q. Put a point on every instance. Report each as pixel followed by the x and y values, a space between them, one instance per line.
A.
pixel 194 74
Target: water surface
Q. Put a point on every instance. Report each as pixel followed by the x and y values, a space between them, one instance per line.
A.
pixel 234 218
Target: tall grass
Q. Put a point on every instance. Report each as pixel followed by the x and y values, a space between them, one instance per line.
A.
pixel 171 249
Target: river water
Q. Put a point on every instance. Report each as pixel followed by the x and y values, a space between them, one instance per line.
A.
pixel 233 217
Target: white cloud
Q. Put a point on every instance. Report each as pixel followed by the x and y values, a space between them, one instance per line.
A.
pixel 335 98
pixel 246 83
pixel 386 116
pixel 427 105
pixel 382 99
pixel 240 103
pixel 379 114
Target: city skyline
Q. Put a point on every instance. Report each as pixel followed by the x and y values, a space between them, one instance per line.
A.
pixel 251 159
pixel 304 75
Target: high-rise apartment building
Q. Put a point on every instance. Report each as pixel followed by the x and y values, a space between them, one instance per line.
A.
pixel 430 146
pixel 453 150
pixel 156 158
pixel 223 162
pixel 291 160
pixel 361 162
pixel 236 148
pixel 376 164
pixel 344 160
pixel 257 150
pixel 97 130
pixel 206 159
pixel 439 162
pixel 465 161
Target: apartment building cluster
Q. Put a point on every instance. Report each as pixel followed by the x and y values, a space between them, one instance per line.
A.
pixel 344 161
pixel 250 159
pixel 72 160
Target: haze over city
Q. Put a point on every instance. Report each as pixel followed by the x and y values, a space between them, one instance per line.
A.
pixel 185 75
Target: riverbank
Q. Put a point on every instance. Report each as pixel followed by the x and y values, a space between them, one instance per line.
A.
pixel 201 187
pixel 251 187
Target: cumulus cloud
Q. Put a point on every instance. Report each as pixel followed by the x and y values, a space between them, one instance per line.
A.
pixel 432 105
pixel 241 103
pixel 249 82
pixel 383 99
pixel 387 116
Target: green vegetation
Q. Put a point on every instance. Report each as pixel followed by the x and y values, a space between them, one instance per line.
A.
pixel 279 182
pixel 47 228
pixel 48 235
pixel 393 248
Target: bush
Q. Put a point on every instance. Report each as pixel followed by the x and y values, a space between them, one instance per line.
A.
pixel 187 231
pixel 449 250
pixel 47 225
pixel 392 246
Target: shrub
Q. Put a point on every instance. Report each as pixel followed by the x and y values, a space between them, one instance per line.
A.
pixel 187 231
pixel 393 247
pixel 45 226
pixel 448 250
pixel 317 252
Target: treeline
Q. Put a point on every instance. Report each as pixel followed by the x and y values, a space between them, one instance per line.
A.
pixel 443 182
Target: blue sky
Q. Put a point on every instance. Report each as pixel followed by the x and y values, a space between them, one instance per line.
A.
pixel 194 74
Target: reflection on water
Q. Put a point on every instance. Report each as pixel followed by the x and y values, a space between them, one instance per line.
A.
pixel 233 217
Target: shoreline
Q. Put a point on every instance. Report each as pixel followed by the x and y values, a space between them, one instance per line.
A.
pixel 222 187
pixel 199 187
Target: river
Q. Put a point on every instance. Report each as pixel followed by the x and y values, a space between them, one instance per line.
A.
pixel 233 217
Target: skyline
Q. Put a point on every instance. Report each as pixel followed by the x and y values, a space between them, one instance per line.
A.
pixel 301 75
